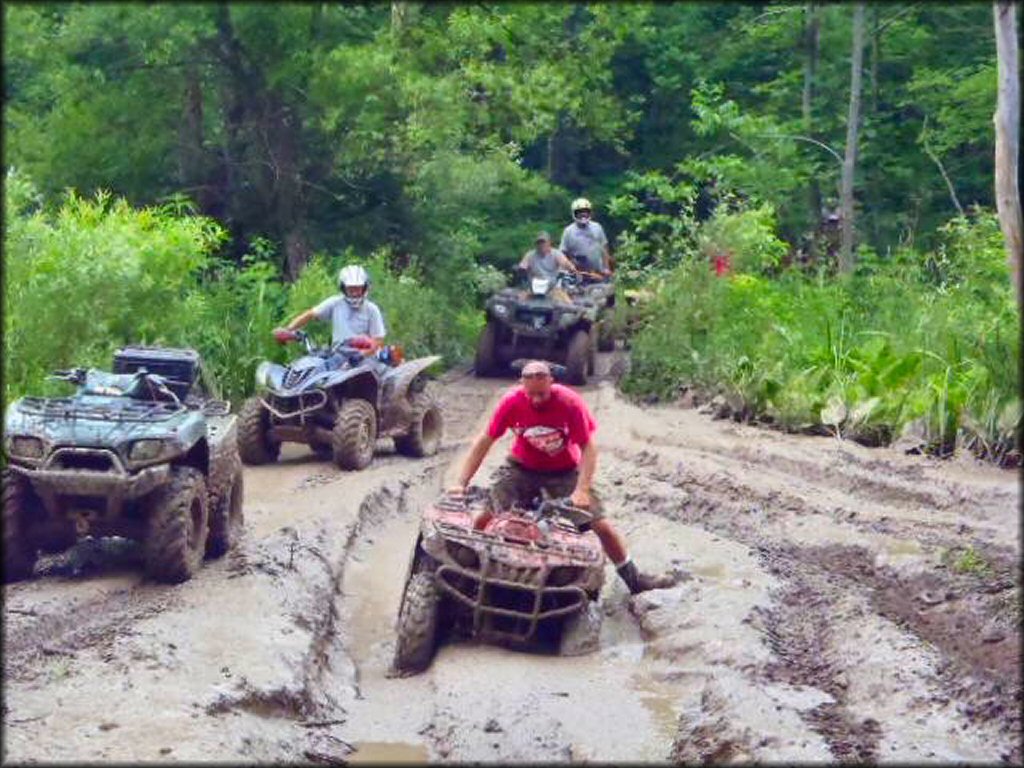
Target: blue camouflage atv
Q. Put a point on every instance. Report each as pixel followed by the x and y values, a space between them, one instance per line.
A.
pixel 339 400
pixel 146 452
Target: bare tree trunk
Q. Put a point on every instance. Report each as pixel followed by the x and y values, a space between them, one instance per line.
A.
pixel 1007 122
pixel 846 258
pixel 875 53
pixel 403 15
pixel 811 41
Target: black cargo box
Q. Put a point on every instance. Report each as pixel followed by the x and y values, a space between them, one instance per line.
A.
pixel 180 365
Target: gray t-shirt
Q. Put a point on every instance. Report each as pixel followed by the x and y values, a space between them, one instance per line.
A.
pixel 348 321
pixel 587 242
pixel 539 265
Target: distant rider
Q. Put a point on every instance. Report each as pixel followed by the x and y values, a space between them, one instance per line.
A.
pixel 585 241
pixel 546 262
pixel 553 450
pixel 351 314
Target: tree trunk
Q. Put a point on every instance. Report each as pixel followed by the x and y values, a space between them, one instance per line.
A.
pixel 811 42
pixel 1007 122
pixel 190 138
pixel 846 259
pixel 563 153
pixel 875 53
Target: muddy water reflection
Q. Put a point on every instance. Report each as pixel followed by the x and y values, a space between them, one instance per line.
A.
pixel 388 753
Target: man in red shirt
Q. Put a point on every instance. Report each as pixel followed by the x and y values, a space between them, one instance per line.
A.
pixel 552 450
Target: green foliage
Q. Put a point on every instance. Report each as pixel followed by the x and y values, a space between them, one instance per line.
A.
pixel 659 226
pixel 870 358
pixel 747 237
pixel 150 276
pixel 967 560
pixel 94 275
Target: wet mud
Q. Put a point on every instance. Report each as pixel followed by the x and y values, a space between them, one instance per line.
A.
pixel 840 604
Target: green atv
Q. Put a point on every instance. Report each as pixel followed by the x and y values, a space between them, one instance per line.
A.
pixel 146 452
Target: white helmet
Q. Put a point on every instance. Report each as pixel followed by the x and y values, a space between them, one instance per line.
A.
pixel 580 204
pixel 354 276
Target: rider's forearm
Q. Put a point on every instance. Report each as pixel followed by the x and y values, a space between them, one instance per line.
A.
pixel 300 320
pixel 476 455
pixel 588 465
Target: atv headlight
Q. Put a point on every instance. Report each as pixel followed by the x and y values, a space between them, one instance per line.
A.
pixel 22 447
pixel 263 374
pixel 501 310
pixel 147 450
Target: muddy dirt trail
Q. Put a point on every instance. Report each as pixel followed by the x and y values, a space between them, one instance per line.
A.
pixel 843 603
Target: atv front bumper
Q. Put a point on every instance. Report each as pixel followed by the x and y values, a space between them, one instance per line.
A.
pixel 506 608
pixel 106 484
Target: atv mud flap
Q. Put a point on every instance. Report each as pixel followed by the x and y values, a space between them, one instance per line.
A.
pixel 507 609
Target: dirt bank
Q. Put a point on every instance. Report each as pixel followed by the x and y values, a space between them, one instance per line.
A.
pixel 844 603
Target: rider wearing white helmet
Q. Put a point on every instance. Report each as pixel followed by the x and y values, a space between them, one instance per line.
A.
pixel 350 313
pixel 584 240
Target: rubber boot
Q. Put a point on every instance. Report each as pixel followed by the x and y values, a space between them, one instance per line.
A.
pixel 641 582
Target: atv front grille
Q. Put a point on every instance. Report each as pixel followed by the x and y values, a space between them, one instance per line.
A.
pixel 87 459
pixel 293 378
pixel 502 607
pixel 533 318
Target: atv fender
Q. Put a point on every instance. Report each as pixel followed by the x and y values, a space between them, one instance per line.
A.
pixel 395 401
pixel 361 379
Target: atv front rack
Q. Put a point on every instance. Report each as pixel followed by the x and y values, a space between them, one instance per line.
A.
pixel 506 608
pixel 128 410
pixel 457 532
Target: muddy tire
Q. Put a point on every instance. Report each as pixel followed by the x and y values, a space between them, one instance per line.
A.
pixel 254 444
pixel 416 632
pixel 427 427
pixel 354 434
pixel 581 633
pixel 177 527
pixel 486 362
pixel 19 503
pixel 577 356
pixel 227 517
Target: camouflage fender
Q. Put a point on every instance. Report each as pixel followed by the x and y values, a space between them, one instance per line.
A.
pixel 395 400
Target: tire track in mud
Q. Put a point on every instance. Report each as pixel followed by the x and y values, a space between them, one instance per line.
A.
pixel 730 501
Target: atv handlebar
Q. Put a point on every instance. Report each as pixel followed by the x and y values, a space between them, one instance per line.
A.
pixel 74 375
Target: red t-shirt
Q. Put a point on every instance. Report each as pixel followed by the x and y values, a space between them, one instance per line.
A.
pixel 548 438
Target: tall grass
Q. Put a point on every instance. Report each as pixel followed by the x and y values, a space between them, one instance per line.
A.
pixel 925 345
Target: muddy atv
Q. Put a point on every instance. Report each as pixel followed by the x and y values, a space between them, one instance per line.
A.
pixel 534 323
pixel 529 579
pixel 339 400
pixel 146 452
pixel 601 291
